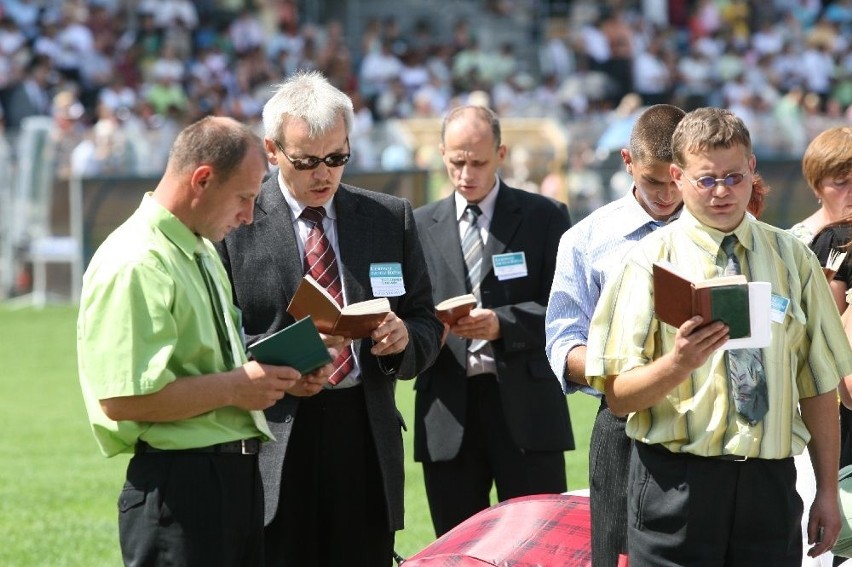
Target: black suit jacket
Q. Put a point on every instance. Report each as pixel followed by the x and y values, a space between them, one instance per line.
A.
pixel 265 267
pixel 534 405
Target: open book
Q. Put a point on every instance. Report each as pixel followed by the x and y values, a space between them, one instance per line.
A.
pixel 298 346
pixel 833 262
pixel 451 310
pixel 354 321
pixel 743 306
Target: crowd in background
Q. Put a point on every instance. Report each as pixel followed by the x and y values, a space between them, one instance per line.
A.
pixel 122 77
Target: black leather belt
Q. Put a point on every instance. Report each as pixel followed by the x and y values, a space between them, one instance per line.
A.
pixel 243 447
pixel 659 448
pixel 735 458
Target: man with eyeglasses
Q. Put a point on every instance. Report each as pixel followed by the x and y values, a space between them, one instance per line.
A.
pixel 333 479
pixel 712 481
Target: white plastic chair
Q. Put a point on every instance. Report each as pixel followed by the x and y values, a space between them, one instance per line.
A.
pixel 31 223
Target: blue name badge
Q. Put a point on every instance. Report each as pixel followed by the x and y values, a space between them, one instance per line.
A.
pixel 778 308
pixel 386 279
pixel 510 265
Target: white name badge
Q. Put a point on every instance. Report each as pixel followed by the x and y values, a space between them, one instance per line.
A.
pixel 386 279
pixel 509 266
pixel 778 308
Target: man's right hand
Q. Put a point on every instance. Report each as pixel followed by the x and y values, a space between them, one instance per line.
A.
pixel 695 342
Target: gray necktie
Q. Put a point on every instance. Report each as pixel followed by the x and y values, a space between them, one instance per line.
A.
pixel 472 246
pixel 745 365
pixel 472 249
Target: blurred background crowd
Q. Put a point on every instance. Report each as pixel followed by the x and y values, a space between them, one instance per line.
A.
pixel 121 77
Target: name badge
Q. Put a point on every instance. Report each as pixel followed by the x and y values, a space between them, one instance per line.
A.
pixel 509 266
pixel 778 308
pixel 386 279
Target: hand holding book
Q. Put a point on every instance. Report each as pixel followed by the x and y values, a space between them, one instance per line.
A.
pixel 354 321
pixel 743 306
pixel 451 310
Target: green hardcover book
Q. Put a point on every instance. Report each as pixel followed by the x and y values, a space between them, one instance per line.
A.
pixel 729 304
pixel 298 346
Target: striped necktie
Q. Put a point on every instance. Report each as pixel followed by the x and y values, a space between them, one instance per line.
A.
pixel 472 246
pixel 321 264
pixel 745 365
pixel 472 249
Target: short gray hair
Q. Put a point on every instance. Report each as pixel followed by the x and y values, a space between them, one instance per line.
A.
pixel 309 96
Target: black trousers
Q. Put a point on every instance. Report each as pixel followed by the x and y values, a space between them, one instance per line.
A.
pixel 459 488
pixel 191 509
pixel 609 464
pixel 332 508
pixel 698 511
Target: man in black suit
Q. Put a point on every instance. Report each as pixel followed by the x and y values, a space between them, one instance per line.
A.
pixel 489 409
pixel 333 480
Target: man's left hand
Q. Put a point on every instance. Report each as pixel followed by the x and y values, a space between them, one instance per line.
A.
pixel 390 337
pixel 825 514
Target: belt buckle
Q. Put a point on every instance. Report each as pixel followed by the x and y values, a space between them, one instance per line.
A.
pixel 244 447
pixel 741 459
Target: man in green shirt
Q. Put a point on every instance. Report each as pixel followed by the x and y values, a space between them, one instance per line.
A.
pixel 712 481
pixel 162 366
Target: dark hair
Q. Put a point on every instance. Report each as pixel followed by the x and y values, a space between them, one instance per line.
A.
pixel 651 137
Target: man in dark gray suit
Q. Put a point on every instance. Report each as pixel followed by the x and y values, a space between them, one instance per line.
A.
pixel 333 480
pixel 489 410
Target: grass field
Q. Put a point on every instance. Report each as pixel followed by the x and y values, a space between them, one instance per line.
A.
pixel 57 493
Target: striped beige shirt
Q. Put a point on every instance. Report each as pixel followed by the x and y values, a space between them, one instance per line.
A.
pixel 807 356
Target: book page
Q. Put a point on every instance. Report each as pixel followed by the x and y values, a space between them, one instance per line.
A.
pixel 467 299
pixel 378 305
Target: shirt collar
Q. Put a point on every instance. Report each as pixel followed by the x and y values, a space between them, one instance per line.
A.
pixel 296 207
pixel 635 217
pixel 172 228
pixel 487 205
pixel 711 239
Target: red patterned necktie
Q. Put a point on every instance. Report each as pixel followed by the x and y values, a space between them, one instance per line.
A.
pixel 321 264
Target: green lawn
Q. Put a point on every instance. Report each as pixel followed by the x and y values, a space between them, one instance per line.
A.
pixel 57 494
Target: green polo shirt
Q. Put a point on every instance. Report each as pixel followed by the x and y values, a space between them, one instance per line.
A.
pixel 146 320
pixel 807 355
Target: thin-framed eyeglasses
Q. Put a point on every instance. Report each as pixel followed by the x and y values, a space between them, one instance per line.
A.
pixel 708 182
pixel 312 162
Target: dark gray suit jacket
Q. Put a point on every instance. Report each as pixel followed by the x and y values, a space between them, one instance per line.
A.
pixel 533 402
pixel 264 265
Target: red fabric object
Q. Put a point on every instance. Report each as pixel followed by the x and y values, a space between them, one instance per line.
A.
pixel 321 264
pixel 543 530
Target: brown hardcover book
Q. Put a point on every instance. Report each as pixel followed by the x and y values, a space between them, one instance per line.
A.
pixel 451 310
pixel 726 299
pixel 354 321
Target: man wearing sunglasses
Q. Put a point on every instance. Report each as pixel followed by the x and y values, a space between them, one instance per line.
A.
pixel 333 479
pixel 712 479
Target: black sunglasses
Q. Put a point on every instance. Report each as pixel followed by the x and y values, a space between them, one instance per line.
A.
pixel 312 162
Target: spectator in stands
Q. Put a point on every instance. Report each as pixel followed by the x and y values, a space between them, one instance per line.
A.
pixel 31 96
